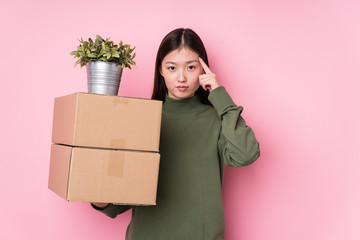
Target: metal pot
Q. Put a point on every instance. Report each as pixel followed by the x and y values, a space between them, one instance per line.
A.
pixel 103 77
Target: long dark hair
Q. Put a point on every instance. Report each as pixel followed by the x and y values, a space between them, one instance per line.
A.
pixel 181 37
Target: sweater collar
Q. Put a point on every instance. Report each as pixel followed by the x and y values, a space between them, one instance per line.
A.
pixel 183 106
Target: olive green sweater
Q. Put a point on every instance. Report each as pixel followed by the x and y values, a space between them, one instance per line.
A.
pixel 196 141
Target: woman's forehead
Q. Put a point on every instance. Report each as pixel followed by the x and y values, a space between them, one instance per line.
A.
pixel 181 55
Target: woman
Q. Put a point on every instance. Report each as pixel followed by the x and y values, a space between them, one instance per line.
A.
pixel 201 130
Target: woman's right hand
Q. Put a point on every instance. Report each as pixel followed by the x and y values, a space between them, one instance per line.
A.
pixel 100 205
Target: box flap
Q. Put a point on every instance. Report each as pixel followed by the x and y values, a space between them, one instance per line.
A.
pixel 118 122
pixel 59 169
pixel 117 176
pixel 64 119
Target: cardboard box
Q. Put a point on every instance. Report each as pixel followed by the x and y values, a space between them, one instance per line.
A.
pixel 102 121
pixel 103 175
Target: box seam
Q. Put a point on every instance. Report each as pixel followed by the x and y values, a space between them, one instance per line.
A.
pixel 112 149
pixel 70 167
pixel 76 118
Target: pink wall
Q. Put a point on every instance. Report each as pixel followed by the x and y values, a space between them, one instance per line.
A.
pixel 293 65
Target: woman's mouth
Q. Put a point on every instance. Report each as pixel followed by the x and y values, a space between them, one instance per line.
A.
pixel 182 88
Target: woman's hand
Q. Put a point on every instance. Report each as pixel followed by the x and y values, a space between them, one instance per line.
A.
pixel 208 80
pixel 101 205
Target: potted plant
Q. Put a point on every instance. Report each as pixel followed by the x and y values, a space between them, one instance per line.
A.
pixel 104 61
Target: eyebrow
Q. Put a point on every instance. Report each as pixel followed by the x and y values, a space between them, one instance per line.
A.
pixel 169 62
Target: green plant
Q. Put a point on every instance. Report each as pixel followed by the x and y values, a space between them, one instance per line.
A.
pixel 105 51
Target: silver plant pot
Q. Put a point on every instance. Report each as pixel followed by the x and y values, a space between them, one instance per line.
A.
pixel 103 77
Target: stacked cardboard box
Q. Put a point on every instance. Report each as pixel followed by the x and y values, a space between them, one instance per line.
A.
pixel 105 149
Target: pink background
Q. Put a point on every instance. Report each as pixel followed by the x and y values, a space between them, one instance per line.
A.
pixel 293 65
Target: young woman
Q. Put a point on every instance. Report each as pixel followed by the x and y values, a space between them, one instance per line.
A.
pixel 201 130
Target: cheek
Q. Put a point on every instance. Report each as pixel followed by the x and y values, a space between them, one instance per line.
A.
pixel 195 78
pixel 166 82
pixel 168 78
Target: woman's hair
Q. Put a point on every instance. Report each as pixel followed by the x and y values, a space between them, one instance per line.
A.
pixel 178 38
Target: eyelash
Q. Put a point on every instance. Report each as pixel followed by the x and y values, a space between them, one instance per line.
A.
pixel 172 68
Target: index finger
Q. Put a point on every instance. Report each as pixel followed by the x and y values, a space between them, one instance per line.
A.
pixel 205 67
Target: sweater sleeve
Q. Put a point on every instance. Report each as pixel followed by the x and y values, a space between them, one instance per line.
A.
pixel 112 210
pixel 237 143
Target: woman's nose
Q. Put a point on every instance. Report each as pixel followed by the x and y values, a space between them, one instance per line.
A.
pixel 182 77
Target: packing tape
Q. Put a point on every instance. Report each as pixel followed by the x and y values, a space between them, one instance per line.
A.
pixel 117 143
pixel 120 100
pixel 116 163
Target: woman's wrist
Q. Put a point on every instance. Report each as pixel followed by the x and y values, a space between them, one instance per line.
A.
pixel 220 99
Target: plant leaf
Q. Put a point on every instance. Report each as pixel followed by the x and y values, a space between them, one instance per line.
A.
pixel 115 54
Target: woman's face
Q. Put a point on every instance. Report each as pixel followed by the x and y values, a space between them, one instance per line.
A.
pixel 181 70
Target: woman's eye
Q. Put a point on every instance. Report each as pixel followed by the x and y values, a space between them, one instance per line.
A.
pixel 172 68
pixel 191 67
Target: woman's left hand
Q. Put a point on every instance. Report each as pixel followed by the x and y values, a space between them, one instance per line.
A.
pixel 208 80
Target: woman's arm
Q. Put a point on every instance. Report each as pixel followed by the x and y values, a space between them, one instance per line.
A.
pixel 237 143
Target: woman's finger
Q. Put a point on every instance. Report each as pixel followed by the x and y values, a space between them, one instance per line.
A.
pixel 207 76
pixel 207 84
pixel 205 67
